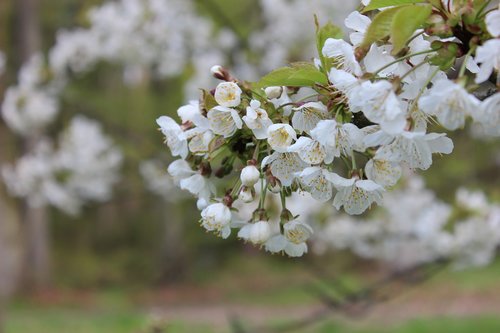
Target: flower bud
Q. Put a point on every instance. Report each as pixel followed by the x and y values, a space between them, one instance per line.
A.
pixel 217 217
pixel 250 175
pixel 201 204
pixel 220 73
pixel 260 232
pixel 273 92
pixel 247 194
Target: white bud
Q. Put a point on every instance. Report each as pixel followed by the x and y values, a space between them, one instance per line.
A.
pixel 260 232
pixel 217 218
pixel 246 194
pixel 273 92
pixel 250 175
pixel 216 70
pixel 201 204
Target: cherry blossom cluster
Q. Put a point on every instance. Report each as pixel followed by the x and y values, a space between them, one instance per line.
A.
pixel 155 37
pixel 287 26
pixel 82 167
pixel 340 129
pixel 415 227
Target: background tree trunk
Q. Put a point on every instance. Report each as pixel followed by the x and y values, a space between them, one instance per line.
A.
pixel 36 224
pixel 10 234
pixel 173 250
pixel 10 250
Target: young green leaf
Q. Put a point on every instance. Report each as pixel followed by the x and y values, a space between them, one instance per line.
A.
pixel 405 22
pixel 299 74
pixel 376 4
pixel 329 30
pixel 380 26
pixel 208 100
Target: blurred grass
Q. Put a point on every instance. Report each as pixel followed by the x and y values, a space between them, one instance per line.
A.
pixel 256 282
pixel 28 320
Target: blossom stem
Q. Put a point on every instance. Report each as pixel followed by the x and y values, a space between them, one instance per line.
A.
pixel 401 59
pixel 353 160
pixel 483 7
pixel 256 152
pixel 283 199
pixel 236 187
pixel 345 162
pixel 415 101
pixel 412 69
pixel 263 191
pixel 297 101
pixel 415 36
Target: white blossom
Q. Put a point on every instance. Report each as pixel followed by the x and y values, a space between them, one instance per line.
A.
pixel 382 172
pixel 257 120
pixel 175 138
pixel 257 233
pixel 314 180
pixel 343 53
pixel 355 195
pixel 307 116
pixel 293 242
pixel 284 166
pixel 488 115
pixel 338 139
pixel 228 94
pixel 415 149
pixel 280 136
pixel 28 111
pixel 379 104
pixel 359 23
pixel 492 20
pixel 449 102
pixel 224 121
pixel 84 167
pixel 309 150
pixel 488 55
pixel 191 180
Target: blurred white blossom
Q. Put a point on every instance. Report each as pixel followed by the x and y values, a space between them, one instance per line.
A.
pixel 83 167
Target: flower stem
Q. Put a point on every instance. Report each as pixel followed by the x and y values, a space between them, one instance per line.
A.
pixel 353 160
pixel 415 101
pixel 283 199
pixel 401 59
pixel 483 7
pixel 412 69
pixel 263 191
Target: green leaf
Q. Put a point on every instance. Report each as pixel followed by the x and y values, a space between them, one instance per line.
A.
pixel 376 4
pixel 329 30
pixel 380 27
pixel 299 74
pixel 208 101
pixel 405 22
